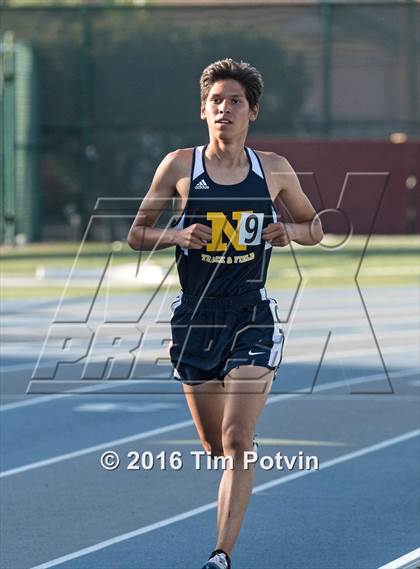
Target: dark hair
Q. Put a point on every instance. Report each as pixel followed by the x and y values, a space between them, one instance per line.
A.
pixel 249 77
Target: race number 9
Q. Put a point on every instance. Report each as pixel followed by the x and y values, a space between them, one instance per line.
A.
pixel 250 228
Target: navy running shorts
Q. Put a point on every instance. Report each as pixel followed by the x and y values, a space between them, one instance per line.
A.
pixel 211 336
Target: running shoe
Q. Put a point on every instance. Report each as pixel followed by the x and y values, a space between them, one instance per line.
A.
pixel 218 560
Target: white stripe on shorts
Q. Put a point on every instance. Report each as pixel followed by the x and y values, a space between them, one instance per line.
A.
pixel 278 337
pixel 263 294
pixel 176 302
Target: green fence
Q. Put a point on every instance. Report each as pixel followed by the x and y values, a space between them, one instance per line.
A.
pixel 19 174
pixel 119 84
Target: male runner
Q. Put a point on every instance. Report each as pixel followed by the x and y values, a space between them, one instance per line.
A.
pixel 227 337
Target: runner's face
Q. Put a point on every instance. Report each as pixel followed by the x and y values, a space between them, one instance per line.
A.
pixel 227 109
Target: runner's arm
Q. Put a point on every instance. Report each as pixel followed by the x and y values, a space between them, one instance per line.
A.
pixel 305 227
pixel 143 236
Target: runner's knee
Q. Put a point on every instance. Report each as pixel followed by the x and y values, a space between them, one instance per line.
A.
pixel 236 440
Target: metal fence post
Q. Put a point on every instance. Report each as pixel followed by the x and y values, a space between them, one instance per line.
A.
pixel 34 145
pixel 8 140
pixel 412 68
pixel 326 67
pixel 85 119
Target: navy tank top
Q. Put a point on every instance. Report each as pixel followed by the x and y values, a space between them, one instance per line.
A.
pixel 236 260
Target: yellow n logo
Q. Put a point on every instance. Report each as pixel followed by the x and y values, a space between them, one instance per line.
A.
pixel 222 226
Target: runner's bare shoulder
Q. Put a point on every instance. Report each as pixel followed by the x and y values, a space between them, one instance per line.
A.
pixel 177 165
pixel 273 163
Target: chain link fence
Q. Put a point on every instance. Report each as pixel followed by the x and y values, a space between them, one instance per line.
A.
pixel 118 85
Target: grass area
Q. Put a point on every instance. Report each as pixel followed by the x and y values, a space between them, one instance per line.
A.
pixel 389 260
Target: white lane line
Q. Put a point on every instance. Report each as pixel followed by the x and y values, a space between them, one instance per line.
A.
pixel 307 320
pixel 174 426
pixel 342 306
pixel 319 320
pixel 301 322
pixel 54 396
pixel 302 329
pixel 212 505
pixel 286 359
pixel 346 457
pixel 89 450
pixel 308 340
pixel 333 355
pixel 129 535
pixel 25 367
pixel 357 336
pixel 408 561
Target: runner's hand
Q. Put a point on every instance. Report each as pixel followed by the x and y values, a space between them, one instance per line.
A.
pixel 193 237
pixel 278 234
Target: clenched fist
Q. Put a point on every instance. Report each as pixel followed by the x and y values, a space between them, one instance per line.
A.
pixel 193 237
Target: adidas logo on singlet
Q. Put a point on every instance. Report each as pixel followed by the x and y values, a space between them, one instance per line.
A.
pixel 201 185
